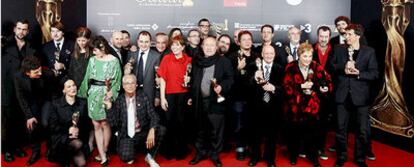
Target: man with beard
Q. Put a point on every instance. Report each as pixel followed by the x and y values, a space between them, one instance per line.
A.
pixel 223 45
pixel 16 50
pixel 126 42
pixel 212 78
pixel 341 23
pixel 116 47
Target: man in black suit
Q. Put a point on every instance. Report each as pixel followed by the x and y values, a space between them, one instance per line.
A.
pixel 161 44
pixel 224 42
pixel 136 123
pixel 56 56
pixel 209 110
pixel 30 93
pixel 193 46
pixel 14 52
pixel 267 33
pixel 142 64
pixel 264 120
pixel 356 66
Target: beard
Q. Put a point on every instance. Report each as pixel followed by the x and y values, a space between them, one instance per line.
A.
pixel 222 50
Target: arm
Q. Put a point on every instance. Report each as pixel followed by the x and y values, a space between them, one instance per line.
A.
pixel 228 75
pixel 116 83
pixel 83 90
pixel 21 98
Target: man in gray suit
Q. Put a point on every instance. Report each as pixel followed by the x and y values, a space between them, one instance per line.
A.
pixel 142 63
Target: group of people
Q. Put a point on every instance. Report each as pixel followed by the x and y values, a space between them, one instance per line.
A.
pixel 196 89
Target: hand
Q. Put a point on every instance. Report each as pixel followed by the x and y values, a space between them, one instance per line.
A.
pixel 289 58
pixel 133 48
pixel 164 104
pixel 73 132
pixel 307 85
pixel 127 68
pixel 217 89
pixel 151 138
pixel 107 103
pixel 241 63
pixel 350 64
pixel 109 94
pixel 30 123
pixel 269 87
pixel 59 66
pixel 187 79
pixel 190 102
pixel 157 102
pixel 323 89
pixel 158 81
pixel 258 75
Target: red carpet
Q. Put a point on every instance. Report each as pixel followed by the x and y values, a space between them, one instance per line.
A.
pixel 387 156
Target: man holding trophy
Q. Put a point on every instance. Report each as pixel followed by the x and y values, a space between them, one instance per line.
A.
pixel 212 78
pixel 356 66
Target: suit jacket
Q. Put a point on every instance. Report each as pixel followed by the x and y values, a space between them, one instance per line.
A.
pixel 358 88
pixel 118 116
pixel 65 53
pixel 223 73
pixel 153 59
pixel 10 64
pixel 275 78
pixel 281 55
pixel 122 57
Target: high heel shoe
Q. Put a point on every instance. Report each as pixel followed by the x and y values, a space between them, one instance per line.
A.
pixel 106 163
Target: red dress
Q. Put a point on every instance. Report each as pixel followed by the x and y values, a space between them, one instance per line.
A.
pixel 299 106
pixel 172 70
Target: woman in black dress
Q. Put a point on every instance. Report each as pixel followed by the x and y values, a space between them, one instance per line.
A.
pixel 69 127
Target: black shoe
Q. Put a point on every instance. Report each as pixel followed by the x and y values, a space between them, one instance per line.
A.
pixel 33 159
pixel 339 163
pixel 253 162
pixel 293 160
pixel 371 156
pixel 216 162
pixel 317 164
pixel 197 159
pixel 20 153
pixel 271 164
pixel 8 157
pixel 241 156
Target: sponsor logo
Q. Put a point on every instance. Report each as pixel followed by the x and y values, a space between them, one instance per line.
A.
pixel 235 3
pixel 171 3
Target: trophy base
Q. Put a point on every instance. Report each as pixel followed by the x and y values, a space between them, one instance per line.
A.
pixel 220 99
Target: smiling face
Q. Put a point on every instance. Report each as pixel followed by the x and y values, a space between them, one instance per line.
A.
pixel 209 47
pixel 323 38
pixel 305 58
pixel 161 42
pixel 144 42
pixel 129 83
pixel 117 39
pixel 294 35
pixel 351 37
pixel 267 34
pixel 246 41
pixel 177 48
pixel 268 54
pixel 35 74
pixel 82 42
pixel 340 26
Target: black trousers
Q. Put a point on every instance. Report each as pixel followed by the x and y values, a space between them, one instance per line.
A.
pixel 128 147
pixel 361 137
pixel 326 111
pixel 175 143
pixel 305 132
pixel 262 125
pixel 13 126
pixel 209 138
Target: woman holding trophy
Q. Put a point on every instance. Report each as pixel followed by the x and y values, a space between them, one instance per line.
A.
pixel 102 82
pixel 174 73
pixel 304 82
pixel 69 126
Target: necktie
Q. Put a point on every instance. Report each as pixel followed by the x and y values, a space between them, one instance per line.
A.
pixel 58 46
pixel 141 69
pixel 131 119
pixel 266 95
pixel 294 53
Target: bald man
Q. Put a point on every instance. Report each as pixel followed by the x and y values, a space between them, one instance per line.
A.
pixel 264 120
pixel 117 40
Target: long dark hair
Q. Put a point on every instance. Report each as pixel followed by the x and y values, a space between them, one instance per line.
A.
pixel 99 42
pixel 86 33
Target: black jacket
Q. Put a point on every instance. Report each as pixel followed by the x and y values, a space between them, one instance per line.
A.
pixel 358 88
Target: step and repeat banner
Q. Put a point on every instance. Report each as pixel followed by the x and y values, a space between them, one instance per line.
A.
pixel 106 16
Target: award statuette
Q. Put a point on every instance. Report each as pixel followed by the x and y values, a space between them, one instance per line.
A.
pixel 308 91
pixel 241 57
pixel 75 120
pixel 108 88
pixel 350 65
pixel 157 86
pixel 187 73
pixel 260 79
pixel 219 97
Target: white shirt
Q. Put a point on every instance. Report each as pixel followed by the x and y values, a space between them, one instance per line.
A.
pixel 292 47
pixel 342 39
pixel 144 58
pixel 60 43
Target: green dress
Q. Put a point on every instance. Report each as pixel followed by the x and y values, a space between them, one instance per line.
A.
pixel 100 70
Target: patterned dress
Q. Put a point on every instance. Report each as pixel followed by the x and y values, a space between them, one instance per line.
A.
pixel 100 70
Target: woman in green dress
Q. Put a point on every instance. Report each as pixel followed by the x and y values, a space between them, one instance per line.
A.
pixel 102 82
